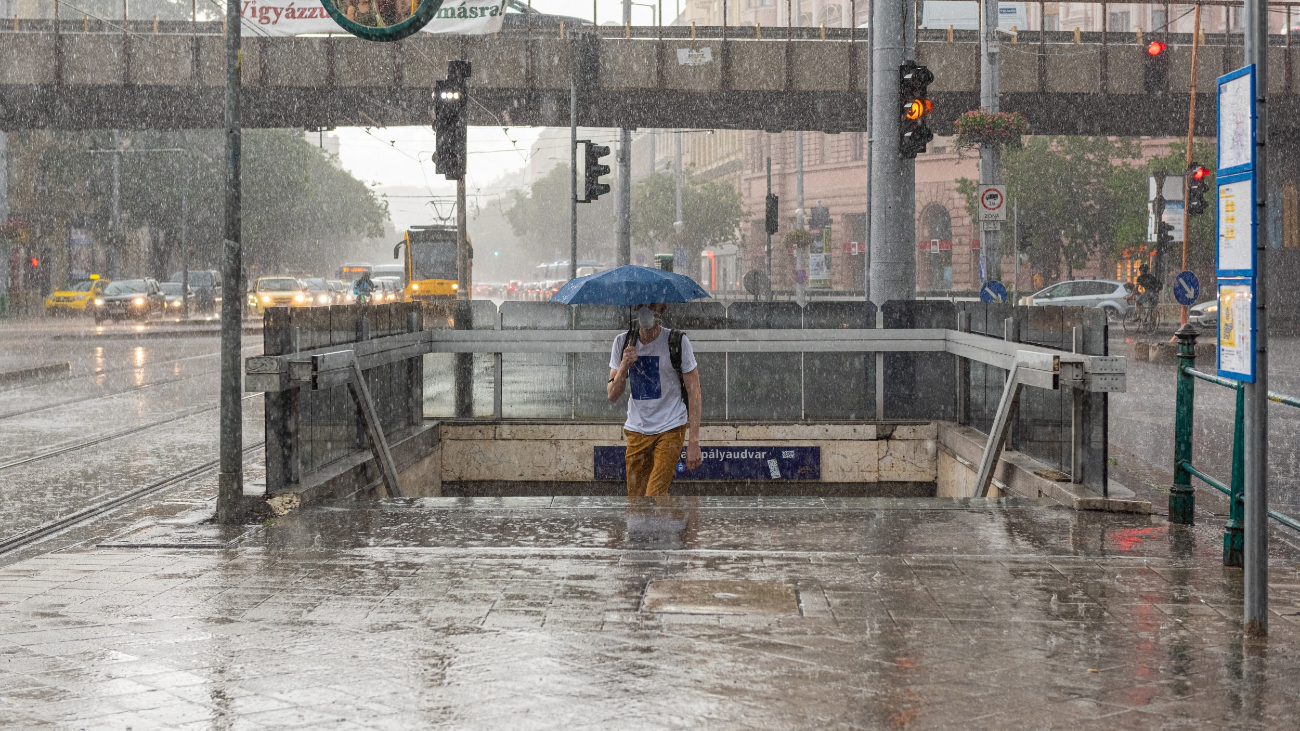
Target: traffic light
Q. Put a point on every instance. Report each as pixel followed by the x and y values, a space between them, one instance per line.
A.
pixel 913 132
pixel 1155 71
pixel 595 188
pixel 1198 182
pixel 772 221
pixel 450 118
pixel 1164 235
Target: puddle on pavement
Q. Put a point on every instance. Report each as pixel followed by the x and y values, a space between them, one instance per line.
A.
pixel 748 598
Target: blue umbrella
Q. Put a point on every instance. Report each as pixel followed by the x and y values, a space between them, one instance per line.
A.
pixel 629 285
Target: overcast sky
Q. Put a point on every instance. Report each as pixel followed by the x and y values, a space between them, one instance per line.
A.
pixel 401 156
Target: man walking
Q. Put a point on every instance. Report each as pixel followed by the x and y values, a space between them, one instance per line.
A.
pixel 660 366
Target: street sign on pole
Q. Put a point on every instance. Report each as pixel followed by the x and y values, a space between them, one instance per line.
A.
pixel 992 203
pixel 1186 288
pixel 993 291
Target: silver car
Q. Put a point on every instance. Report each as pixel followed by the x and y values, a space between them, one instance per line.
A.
pixel 1114 297
pixel 1205 314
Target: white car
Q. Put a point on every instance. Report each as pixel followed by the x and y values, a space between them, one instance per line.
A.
pixel 1205 314
pixel 1115 297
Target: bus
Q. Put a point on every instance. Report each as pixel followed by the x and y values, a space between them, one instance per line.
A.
pixel 430 265
pixel 352 271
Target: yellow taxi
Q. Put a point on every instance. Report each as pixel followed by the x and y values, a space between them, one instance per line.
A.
pixel 76 298
pixel 277 292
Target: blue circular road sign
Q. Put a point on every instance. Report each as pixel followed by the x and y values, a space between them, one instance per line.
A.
pixel 993 291
pixel 1186 288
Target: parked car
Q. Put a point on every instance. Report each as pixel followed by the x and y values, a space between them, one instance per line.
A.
pixel 1205 314
pixel 77 298
pixel 137 299
pixel 172 296
pixel 1114 297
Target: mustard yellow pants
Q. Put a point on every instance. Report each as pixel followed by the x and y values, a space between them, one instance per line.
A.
pixel 652 461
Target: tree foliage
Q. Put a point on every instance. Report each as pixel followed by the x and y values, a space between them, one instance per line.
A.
pixel 540 217
pixel 298 207
pixel 1080 197
pixel 711 213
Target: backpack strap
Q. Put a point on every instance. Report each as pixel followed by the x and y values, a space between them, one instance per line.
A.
pixel 675 355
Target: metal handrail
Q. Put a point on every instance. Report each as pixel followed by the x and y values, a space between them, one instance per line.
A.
pixel 1219 380
pixel 1279 517
pixel 1236 386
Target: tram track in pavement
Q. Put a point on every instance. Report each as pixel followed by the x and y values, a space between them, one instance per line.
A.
pixel 58 525
pixel 132 389
pixel 111 436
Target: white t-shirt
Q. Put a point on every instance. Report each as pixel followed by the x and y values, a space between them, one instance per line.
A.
pixel 655 405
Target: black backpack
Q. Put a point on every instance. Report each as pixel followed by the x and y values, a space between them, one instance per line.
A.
pixel 674 355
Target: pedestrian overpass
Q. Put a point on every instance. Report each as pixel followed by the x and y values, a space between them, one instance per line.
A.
pixel 84 74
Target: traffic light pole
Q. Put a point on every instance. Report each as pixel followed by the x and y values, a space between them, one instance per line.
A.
pixel 573 181
pixel 892 197
pixel 769 232
pixel 1191 132
pixel 230 479
pixel 1255 620
pixel 990 155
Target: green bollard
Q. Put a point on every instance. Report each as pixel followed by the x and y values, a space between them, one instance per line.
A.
pixel 1181 498
pixel 1233 547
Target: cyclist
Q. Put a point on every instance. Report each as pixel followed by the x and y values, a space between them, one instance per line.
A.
pixel 1150 288
pixel 362 288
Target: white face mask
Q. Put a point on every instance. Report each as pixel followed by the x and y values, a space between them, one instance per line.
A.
pixel 645 317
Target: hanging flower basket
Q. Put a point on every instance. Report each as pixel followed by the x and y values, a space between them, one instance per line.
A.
pixel 977 128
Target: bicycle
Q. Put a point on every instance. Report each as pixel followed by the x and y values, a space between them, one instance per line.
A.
pixel 1142 318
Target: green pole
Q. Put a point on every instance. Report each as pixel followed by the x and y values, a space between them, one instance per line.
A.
pixel 1181 498
pixel 1233 544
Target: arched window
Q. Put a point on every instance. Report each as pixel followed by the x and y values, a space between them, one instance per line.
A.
pixel 936 223
pixel 934 234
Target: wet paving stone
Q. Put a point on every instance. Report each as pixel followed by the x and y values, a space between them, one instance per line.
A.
pixel 493 614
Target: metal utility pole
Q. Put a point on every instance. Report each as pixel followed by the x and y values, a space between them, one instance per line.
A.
pixel 769 233
pixel 678 223
pixel 1191 130
pixel 230 482
pixel 623 229
pixel 1255 621
pixel 990 155
pixel 869 154
pixel 115 220
pixel 1015 233
pixel 185 236
pixel 799 219
pixel 798 181
pixel 462 244
pixel 573 181
pixel 892 274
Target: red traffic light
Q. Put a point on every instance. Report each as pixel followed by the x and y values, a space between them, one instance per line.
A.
pixel 35 262
pixel 1200 173
pixel 1156 48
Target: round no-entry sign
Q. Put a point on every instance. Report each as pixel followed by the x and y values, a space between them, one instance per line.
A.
pixel 993 202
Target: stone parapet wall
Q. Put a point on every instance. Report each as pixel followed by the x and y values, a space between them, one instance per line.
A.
pixel 850 453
